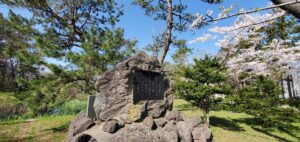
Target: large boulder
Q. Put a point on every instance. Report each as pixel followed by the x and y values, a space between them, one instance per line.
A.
pixel 114 96
pixel 121 119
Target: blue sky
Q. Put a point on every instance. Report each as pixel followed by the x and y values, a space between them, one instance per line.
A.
pixel 140 27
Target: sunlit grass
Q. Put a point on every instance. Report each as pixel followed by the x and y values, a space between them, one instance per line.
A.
pixel 226 127
pixel 234 127
pixel 46 128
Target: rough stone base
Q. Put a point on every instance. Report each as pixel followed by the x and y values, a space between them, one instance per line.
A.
pixel 170 128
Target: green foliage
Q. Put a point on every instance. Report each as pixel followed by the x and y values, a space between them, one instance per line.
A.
pixel 295 103
pixel 260 99
pixel 175 14
pixel 156 46
pixel 72 107
pixel 200 82
pixel 81 35
pixel 11 107
pixel 15 40
pixel 158 10
pixel 182 52
pixel 282 28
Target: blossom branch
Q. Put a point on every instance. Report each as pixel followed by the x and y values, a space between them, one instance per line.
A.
pixel 253 24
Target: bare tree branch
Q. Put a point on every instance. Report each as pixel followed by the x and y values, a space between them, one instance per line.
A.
pixel 252 11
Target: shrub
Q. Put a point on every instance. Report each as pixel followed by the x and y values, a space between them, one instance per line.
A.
pixel 260 98
pixel 71 107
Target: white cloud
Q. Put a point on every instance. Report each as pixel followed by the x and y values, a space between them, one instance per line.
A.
pixel 203 38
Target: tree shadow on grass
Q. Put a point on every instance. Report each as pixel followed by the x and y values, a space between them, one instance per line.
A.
pixel 290 132
pixel 61 128
pixel 248 121
pixel 253 123
pixel 272 135
pixel 186 107
pixel 225 124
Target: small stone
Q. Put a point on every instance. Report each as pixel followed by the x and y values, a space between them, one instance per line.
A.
pixel 111 126
pixel 160 122
pixel 173 115
pixel 149 122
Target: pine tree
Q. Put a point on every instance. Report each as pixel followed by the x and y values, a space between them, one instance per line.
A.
pixel 200 82
pixel 15 36
pixel 174 13
pixel 79 34
pixel 260 98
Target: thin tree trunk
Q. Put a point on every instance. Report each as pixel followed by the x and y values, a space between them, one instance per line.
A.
pixel 293 89
pixel 13 75
pixel 168 34
pixel 282 87
pixel 289 87
pixel 207 118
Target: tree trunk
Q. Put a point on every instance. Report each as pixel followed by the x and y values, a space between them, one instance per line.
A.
pixel 293 89
pixel 206 117
pixel 168 34
pixel 282 87
pixel 293 9
pixel 289 87
pixel 13 75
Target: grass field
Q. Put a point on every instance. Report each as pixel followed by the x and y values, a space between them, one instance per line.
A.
pixel 226 127
pixel 43 129
pixel 236 127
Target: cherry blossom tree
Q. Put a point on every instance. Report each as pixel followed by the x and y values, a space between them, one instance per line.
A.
pixel 257 43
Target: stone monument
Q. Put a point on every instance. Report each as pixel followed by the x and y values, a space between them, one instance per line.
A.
pixel 133 103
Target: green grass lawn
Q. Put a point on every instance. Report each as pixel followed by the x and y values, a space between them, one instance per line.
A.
pixel 44 129
pixel 226 127
pixel 236 127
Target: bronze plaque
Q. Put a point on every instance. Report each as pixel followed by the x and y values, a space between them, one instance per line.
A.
pixel 147 85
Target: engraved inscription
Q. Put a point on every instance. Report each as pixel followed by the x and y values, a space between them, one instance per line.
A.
pixel 147 85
